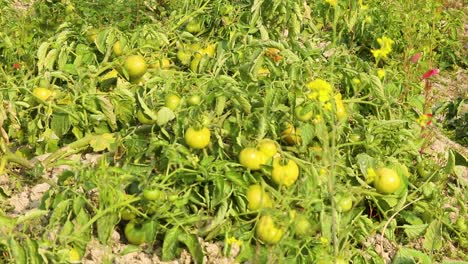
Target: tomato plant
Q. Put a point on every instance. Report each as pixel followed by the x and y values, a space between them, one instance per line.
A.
pixel 259 125
pixel 197 138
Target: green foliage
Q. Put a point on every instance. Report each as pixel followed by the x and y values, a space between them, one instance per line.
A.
pixel 252 64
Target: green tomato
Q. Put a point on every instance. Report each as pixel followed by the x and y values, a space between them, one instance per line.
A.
pixel 143 119
pixel 302 115
pixel 154 194
pixel 267 231
pixel 345 204
pixel 387 181
pixel 43 93
pixel 197 139
pixel 134 233
pixel 252 158
pixel 284 174
pixel 184 56
pixel 117 48
pixel 194 100
pixel 138 233
pixel 172 101
pixel 302 226
pixel 194 26
pixel 136 66
pixel 268 147
pixel 461 224
pixel 355 137
pixel 74 255
pixel 257 198
pixel 127 214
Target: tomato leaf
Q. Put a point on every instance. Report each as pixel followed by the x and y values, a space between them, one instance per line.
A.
pixel 193 246
pixel 49 61
pixel 409 255
pixel 432 236
pixel 60 124
pixel 414 231
pixel 164 115
pixel 107 109
pixel 102 142
pixel 41 55
pixel 170 244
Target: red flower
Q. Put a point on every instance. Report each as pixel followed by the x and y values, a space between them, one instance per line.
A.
pixel 16 66
pixel 415 58
pixel 430 73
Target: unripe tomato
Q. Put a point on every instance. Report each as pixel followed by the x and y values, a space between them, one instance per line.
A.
pixel 252 158
pixel 136 66
pixel 284 174
pixel 142 118
pixel 117 48
pixel 268 147
pixel 340 108
pixel 91 35
pixel 355 137
pixel 302 226
pixel 197 139
pixel 193 26
pixel 257 198
pixel 184 57
pixel 127 214
pixel 386 181
pixel 42 93
pixel 138 233
pixel 267 231
pixel 345 204
pixel 194 100
pixel 154 194
pixel 74 255
pixel 301 115
pixel 172 101
pixel 291 135
pixel 209 50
